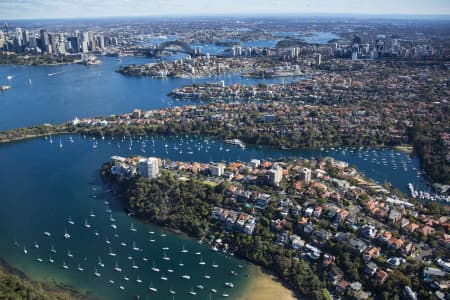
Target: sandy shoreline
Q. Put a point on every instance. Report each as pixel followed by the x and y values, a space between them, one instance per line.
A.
pixel 264 286
pixel 404 149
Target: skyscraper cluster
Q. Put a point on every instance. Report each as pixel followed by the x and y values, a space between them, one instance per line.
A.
pixel 44 42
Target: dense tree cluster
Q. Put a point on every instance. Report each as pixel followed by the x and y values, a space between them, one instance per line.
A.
pixel 18 287
pixel 35 60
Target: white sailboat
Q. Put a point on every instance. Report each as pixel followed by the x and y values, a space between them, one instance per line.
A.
pixel 100 262
pixel 66 234
pixel 86 224
pixel 154 268
pixel 65 266
pixel 117 268
pixel 152 288
pixel 111 253
pixel 135 248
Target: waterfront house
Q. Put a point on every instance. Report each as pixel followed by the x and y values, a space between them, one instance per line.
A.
pixel 385 236
pixel 381 276
pixel 335 273
pixel 370 268
pixel 395 244
pixel 411 227
pixel 369 231
pixel 249 228
pixel 328 259
pixel 296 242
pixel 308 212
pixel 317 212
pixel 371 253
pixel 358 245
pixel 394 216
pixel 322 234
pixel 431 274
pixel 426 230
pixel 342 286
pixel 404 222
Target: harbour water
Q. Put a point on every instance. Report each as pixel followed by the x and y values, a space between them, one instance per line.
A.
pixel 84 91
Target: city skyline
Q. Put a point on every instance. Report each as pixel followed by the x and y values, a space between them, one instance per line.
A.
pixel 51 9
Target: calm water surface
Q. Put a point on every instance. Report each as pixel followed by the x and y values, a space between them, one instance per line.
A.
pixel 83 91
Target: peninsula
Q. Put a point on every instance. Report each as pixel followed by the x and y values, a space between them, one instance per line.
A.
pixel 319 225
pixel 289 124
pixel 207 66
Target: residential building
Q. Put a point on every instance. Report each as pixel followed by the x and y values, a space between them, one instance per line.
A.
pixel 149 167
pixel 275 176
pixel 305 175
pixel 218 169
